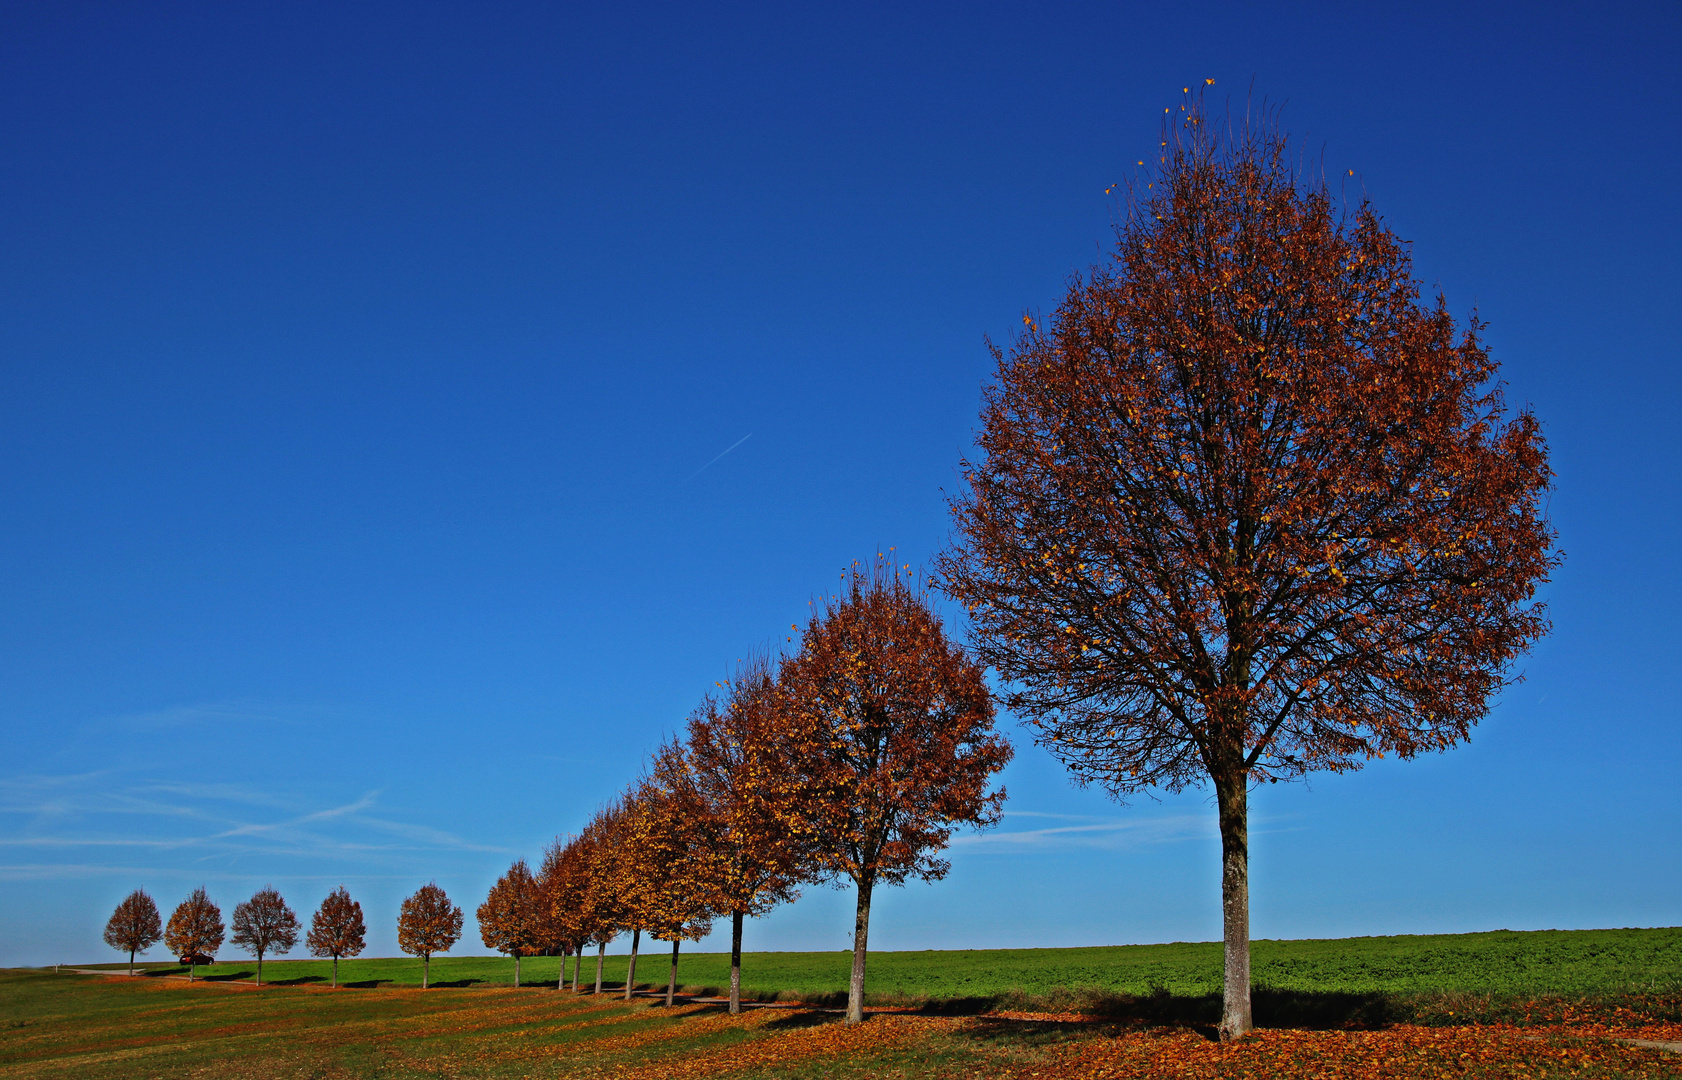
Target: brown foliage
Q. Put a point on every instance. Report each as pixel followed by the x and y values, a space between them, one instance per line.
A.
pixel 265 924
pixel 134 926
pixel 737 783
pixel 892 727
pixel 740 789
pixel 512 918
pixel 195 928
pixel 1248 508
pixel 337 929
pixel 428 923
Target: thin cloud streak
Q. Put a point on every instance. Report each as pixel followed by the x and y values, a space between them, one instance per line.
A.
pixel 726 450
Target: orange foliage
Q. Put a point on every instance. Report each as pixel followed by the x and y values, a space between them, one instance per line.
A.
pixel 891 727
pixel 195 928
pixel 134 926
pixel 1247 508
pixel 428 923
pixel 512 919
pixel 337 929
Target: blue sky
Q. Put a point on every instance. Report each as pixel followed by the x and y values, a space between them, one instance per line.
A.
pixel 364 372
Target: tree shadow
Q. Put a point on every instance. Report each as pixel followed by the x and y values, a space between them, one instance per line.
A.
pixel 454 984
pixel 299 981
pixel 367 984
pixel 1270 1008
pixel 230 976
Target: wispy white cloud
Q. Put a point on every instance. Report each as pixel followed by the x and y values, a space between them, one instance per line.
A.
pixel 1088 832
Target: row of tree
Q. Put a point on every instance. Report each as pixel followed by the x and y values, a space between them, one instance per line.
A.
pixel 850 761
pixel 265 925
pixel 1245 509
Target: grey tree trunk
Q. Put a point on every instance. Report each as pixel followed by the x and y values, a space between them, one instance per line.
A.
pixel 631 969
pixel 1232 797
pixel 861 934
pixel 335 971
pixel 426 969
pixel 601 950
pixel 131 963
pixel 517 968
pixel 192 969
pixel 259 967
pixel 671 981
pixel 735 962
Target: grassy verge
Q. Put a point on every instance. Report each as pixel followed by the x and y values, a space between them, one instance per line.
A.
pixel 58 1027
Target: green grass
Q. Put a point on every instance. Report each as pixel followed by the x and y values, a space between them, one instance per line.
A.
pixel 1499 963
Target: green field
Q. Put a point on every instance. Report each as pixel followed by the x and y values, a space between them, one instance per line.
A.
pixel 1496 964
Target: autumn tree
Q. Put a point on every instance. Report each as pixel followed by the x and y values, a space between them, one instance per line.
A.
pixel 1246 508
pixel 337 929
pixel 194 929
pixel 892 727
pixel 559 889
pixel 265 924
pixel 511 919
pixel 134 926
pixel 669 849
pixel 428 923
pixel 599 915
pixel 741 795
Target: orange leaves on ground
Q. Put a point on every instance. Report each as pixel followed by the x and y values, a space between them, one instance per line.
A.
pixel 1404 1052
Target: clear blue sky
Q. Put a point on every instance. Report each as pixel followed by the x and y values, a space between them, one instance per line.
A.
pixel 363 370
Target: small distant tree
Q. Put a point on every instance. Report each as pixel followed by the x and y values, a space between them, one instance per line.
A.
pixel 195 928
pixel 134 926
pixel 511 918
pixel 264 924
pixel 428 923
pixel 892 726
pixel 337 929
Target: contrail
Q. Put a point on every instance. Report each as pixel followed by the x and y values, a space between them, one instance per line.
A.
pixel 727 449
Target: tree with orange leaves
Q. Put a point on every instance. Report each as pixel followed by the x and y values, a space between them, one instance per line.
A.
pixel 1247 508
pixel 428 923
pixel 892 728
pixel 134 926
pixel 563 887
pixel 740 793
pixel 337 929
pixel 195 930
pixel 511 919
pixel 671 846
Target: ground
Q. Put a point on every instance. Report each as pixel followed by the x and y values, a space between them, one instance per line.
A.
pixel 94 1026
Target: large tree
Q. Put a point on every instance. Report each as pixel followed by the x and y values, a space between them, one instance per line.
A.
pixel 739 791
pixel 337 929
pixel 428 923
pixel 892 729
pixel 1246 507
pixel 134 926
pixel 265 924
pixel 195 929
pixel 511 919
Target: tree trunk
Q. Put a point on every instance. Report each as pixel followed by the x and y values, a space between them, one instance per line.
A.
pixel 861 934
pixel 426 969
pixel 671 983
pixel 192 969
pixel 601 950
pixel 735 962
pixel 131 963
pixel 335 971
pixel 259 967
pixel 631 969
pixel 1232 795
